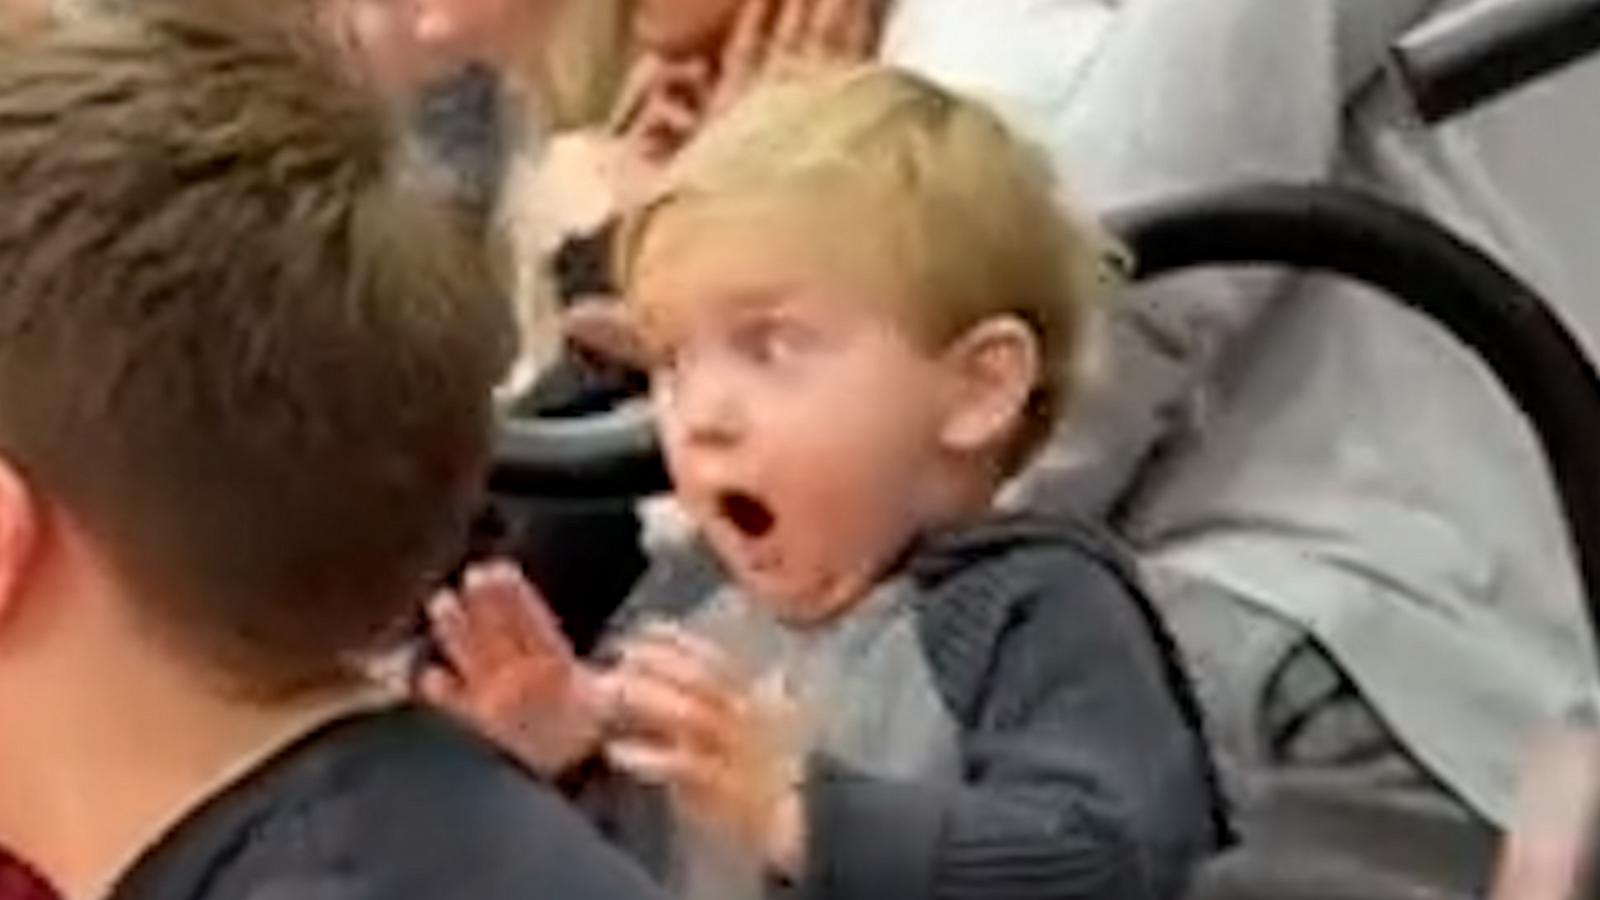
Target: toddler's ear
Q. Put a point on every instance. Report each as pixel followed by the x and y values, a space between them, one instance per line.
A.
pixel 992 370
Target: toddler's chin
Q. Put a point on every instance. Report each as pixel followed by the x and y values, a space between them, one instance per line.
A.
pixel 806 602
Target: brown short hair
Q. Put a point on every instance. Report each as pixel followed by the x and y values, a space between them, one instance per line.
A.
pixel 236 344
pixel 969 215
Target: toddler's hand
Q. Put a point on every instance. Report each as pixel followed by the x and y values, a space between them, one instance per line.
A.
pixel 512 673
pixel 688 722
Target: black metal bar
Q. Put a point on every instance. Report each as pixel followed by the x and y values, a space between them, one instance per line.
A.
pixel 1465 58
pixel 610 455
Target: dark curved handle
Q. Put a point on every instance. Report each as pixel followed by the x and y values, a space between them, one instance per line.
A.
pixel 614 454
pixel 1419 263
pixel 1465 58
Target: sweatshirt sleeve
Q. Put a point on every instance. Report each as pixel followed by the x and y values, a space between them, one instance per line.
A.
pixel 1082 779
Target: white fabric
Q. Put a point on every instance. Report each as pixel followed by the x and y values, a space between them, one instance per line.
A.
pixel 1343 464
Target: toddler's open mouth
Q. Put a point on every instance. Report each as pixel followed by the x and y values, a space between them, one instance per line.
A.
pixel 747 513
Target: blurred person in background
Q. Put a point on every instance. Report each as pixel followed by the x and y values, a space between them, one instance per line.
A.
pixel 21 17
pixel 629 81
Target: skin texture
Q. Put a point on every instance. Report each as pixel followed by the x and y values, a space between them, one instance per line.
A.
pixel 1549 854
pixel 781 377
pixel 682 27
pixel 19 18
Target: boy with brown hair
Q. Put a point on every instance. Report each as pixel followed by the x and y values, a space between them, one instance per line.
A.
pixel 862 310
pixel 245 377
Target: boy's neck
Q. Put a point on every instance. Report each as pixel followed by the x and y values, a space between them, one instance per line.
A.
pixel 91 775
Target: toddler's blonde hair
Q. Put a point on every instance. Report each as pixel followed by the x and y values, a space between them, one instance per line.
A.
pixel 971 217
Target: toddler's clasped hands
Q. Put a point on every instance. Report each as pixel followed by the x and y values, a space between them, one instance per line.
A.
pixel 673 710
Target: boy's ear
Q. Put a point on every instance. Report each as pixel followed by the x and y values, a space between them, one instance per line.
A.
pixel 20 529
pixel 993 370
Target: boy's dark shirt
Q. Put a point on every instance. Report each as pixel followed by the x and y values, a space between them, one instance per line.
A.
pixel 393 805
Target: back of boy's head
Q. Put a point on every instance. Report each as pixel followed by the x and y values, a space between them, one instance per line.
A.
pixel 969 216
pixel 241 353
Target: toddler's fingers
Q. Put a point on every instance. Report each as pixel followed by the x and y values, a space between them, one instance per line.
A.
pixel 648 761
pixel 697 650
pixel 453 633
pixel 438 686
pixel 469 631
pixel 667 664
pixel 600 693
pixel 508 609
pixel 646 705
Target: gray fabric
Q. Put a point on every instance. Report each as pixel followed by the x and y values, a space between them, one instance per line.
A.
pixel 1328 801
pixel 870 838
pixel 1275 700
pixel 1322 453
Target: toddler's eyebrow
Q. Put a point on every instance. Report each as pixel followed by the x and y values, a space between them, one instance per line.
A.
pixel 767 298
pixel 742 302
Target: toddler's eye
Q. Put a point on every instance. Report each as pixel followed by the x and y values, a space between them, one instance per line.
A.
pixel 772 342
